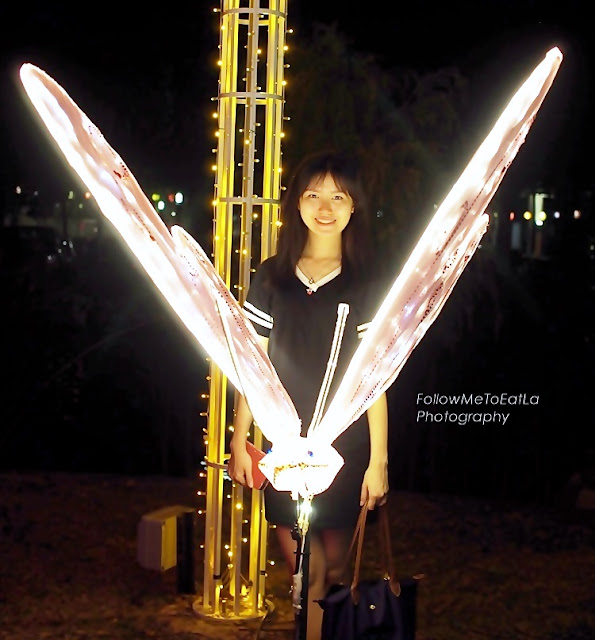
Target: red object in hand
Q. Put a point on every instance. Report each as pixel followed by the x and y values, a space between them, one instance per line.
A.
pixel 259 480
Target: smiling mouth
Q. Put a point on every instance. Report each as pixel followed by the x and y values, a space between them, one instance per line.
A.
pixel 324 222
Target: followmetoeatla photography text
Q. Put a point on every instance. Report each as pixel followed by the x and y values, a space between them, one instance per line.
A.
pixel 471 408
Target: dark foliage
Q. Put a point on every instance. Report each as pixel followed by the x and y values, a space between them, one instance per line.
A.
pixel 102 376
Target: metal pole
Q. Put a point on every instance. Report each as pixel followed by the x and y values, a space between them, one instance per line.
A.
pixel 301 618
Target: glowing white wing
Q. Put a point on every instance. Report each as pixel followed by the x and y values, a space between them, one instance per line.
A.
pixel 257 380
pixel 445 247
pixel 175 263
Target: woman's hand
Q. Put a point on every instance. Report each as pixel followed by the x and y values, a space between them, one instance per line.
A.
pixel 375 485
pixel 239 467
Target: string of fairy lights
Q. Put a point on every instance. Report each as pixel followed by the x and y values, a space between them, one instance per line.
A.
pixel 246 140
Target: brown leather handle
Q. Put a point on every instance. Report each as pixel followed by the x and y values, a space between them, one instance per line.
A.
pixel 354 540
pixel 386 551
pixel 358 554
pixel 389 567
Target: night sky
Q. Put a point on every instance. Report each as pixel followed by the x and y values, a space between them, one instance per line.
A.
pixel 495 44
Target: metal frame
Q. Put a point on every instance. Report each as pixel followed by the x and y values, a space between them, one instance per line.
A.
pixel 247 187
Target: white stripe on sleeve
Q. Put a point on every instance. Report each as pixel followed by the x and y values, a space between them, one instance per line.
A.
pixel 258 316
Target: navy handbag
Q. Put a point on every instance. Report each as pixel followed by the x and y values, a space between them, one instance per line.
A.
pixel 370 609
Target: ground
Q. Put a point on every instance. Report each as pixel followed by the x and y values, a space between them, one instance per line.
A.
pixel 498 571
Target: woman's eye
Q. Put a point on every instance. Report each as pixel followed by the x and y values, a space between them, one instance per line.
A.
pixel 311 195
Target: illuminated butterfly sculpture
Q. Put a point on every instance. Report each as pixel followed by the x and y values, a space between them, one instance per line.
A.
pixel 186 277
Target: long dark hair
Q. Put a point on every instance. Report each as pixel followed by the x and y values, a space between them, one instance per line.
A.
pixel 355 239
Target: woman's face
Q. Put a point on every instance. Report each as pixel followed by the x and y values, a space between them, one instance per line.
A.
pixel 324 208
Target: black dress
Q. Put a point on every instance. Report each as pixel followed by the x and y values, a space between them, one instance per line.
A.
pixel 300 327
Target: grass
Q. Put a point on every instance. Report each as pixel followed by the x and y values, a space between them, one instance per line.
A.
pixel 487 570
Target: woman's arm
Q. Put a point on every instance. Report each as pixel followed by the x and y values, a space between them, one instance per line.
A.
pixel 375 482
pixel 239 466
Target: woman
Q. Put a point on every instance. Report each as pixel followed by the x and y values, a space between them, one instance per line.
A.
pixel 323 260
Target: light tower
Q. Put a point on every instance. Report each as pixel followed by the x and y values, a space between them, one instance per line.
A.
pixel 247 195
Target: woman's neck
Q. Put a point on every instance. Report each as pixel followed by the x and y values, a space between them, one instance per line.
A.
pixel 321 256
pixel 322 249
